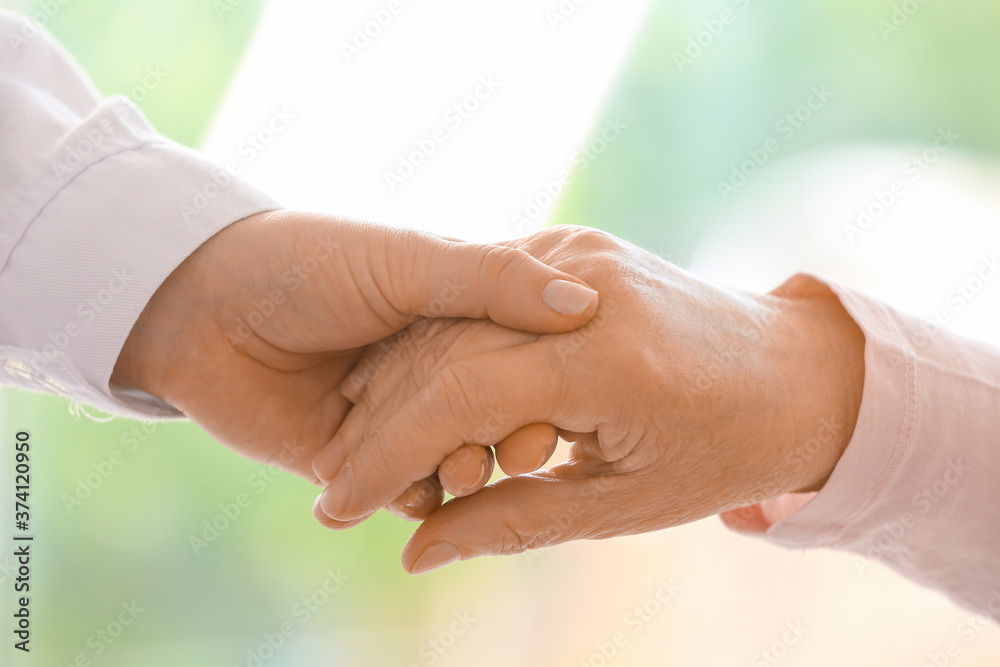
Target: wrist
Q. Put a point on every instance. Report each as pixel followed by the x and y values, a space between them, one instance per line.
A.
pixel 146 355
pixel 822 369
pixel 174 323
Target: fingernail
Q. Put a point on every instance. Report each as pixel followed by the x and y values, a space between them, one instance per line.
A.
pixel 567 298
pixel 322 465
pixel 317 510
pixel 549 451
pixel 354 385
pixel 334 498
pixel 436 555
pixel 328 463
pixel 465 489
pixel 411 497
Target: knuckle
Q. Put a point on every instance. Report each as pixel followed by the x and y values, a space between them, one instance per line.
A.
pixel 370 461
pixel 512 541
pixel 520 531
pixel 454 390
pixel 499 262
pixel 590 238
pixel 451 382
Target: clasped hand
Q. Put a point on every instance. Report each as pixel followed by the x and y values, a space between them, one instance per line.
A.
pixel 681 399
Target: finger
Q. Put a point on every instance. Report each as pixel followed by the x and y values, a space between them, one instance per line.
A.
pixel 418 501
pixel 526 449
pixel 758 518
pixel 520 513
pixel 466 470
pixel 410 360
pixel 573 436
pixel 389 360
pixel 749 519
pixel 335 453
pixel 333 524
pixel 428 349
pixel 388 383
pixel 506 285
pixel 473 401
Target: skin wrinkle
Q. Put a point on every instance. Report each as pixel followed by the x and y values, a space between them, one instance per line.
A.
pixel 375 285
pixel 288 377
pixel 657 448
pixel 439 354
pixel 484 261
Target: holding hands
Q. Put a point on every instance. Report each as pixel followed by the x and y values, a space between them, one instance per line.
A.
pixel 682 399
pixel 253 334
pixel 360 356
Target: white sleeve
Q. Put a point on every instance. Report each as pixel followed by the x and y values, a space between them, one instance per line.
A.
pixel 96 210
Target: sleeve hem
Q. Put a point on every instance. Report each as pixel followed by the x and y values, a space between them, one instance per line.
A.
pixel 97 250
pixel 881 438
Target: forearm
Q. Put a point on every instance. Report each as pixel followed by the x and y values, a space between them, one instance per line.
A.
pixel 97 210
pixel 916 487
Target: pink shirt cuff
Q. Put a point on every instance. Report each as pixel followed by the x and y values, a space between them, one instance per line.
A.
pixel 918 487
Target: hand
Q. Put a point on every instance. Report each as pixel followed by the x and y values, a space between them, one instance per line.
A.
pixel 407 357
pixel 683 399
pixel 253 334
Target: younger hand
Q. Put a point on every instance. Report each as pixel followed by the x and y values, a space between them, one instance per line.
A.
pixel 253 334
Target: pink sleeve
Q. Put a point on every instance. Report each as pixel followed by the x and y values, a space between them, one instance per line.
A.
pixel 918 487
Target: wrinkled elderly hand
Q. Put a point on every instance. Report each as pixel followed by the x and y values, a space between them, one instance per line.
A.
pixel 253 334
pixel 682 399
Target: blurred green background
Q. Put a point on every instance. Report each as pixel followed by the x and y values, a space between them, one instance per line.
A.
pixel 693 119
pixel 129 539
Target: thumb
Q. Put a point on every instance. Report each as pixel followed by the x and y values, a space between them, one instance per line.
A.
pixel 516 514
pixel 444 278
